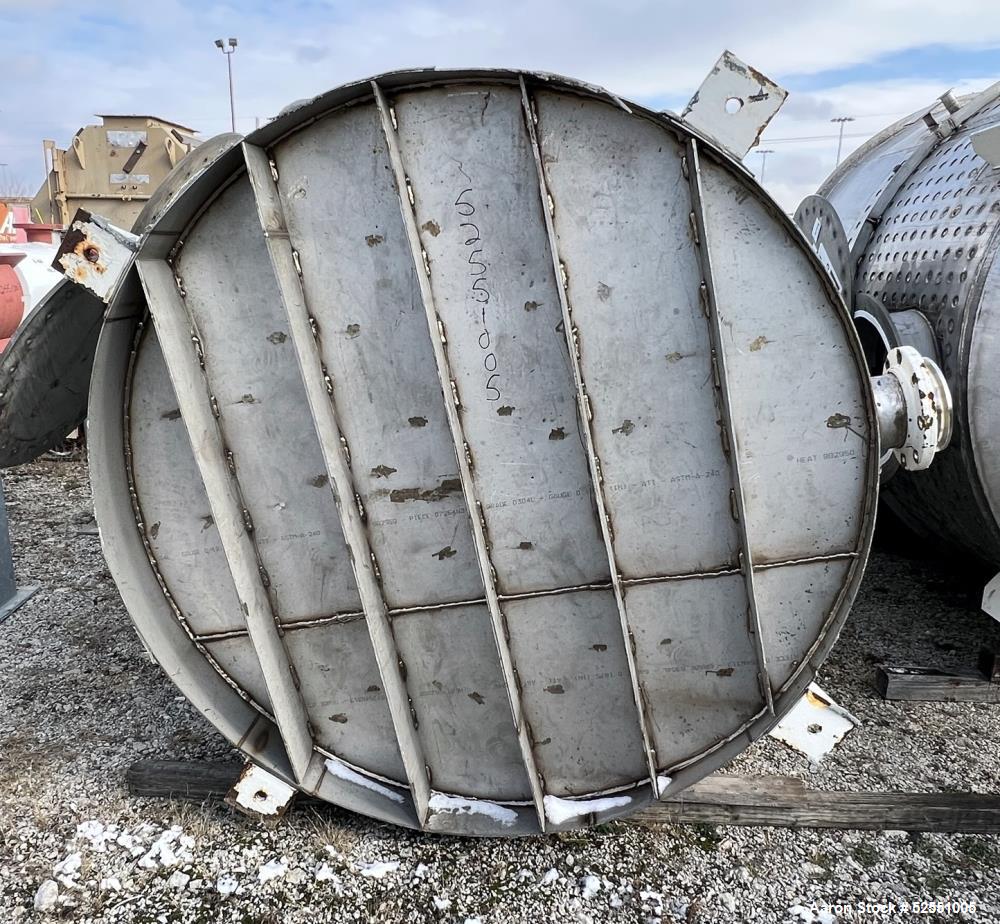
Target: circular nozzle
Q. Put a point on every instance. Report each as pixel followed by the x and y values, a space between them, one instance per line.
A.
pixel 928 406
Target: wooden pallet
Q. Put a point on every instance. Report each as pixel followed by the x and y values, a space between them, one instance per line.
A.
pixel 719 799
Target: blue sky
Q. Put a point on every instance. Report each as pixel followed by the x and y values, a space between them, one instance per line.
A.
pixel 874 60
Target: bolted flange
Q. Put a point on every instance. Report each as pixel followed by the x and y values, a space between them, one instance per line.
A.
pixel 928 405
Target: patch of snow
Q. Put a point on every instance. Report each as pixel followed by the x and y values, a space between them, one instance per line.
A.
pixel 662 782
pixel 162 851
pixel 439 802
pixel 178 880
pixel 68 867
pixel 473 921
pixel 559 811
pixel 325 873
pixel 654 898
pixel 273 869
pixel 128 842
pixel 226 885
pixel 421 871
pixel 590 886
pixel 97 834
pixel 378 869
pixel 442 904
pixel 551 876
pixel 111 884
pixel 45 897
pixel 342 772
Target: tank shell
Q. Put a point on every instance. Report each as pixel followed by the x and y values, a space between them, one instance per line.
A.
pixel 933 250
pixel 447 455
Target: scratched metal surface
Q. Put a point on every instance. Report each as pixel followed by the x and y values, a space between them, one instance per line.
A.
pixel 343 218
pixel 262 410
pixel 495 291
pixel 933 250
pixel 596 619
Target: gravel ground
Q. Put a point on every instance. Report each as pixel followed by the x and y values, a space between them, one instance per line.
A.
pixel 80 701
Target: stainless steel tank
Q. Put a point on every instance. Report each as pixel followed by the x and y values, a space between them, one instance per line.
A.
pixel 909 225
pixel 479 451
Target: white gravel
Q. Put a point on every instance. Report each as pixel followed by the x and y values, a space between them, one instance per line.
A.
pixel 79 702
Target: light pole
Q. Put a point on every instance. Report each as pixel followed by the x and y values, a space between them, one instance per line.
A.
pixel 763 161
pixel 228 52
pixel 843 120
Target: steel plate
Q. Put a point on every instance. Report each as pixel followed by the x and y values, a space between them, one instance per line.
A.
pixel 495 456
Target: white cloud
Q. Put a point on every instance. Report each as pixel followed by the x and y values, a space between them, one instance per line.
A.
pixel 158 57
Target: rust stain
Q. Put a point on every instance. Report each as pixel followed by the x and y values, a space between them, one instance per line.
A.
pixel 383 471
pixel 175 414
pixel 843 422
pixel 278 337
pixel 319 481
pixel 599 647
pixel 477 697
pixel 418 421
pixel 604 291
pixel 526 546
pixel 88 251
pixel 207 521
pixel 666 641
pixel 815 700
pixel 447 487
pixel 353 330
pixel 154 530
pixel 557 433
pixel 758 343
pixel 676 357
pixel 247 399
pixel 446 552
pixel 544 741
pixel 373 688
pixel 505 411
pixel 555 688
pixel 531 306
pixel 722 672
pixel 339 717
pixel 373 240
pixel 626 428
pixel 431 227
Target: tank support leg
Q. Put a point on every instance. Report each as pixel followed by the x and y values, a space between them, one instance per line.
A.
pixel 11 597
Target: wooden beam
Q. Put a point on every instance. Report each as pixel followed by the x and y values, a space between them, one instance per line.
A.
pixel 749 801
pixel 928 685
pixel 775 801
pixel 189 780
